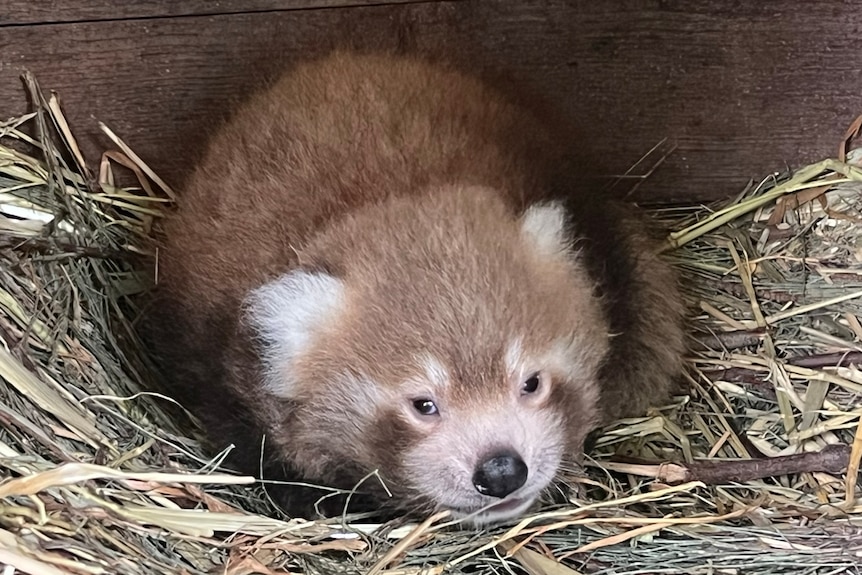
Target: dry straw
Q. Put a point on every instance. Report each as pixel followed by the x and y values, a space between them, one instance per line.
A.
pixel 751 468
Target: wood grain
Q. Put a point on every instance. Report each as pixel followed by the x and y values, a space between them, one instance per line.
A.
pixel 742 89
pixel 24 12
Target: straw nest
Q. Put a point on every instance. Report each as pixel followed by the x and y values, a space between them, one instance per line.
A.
pixel 751 469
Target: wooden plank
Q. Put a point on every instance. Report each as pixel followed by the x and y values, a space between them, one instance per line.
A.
pixel 741 89
pixel 21 12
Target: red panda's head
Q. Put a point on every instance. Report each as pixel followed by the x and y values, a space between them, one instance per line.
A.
pixel 442 340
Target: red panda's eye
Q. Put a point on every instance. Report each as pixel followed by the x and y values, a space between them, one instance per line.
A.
pixel 531 384
pixel 425 407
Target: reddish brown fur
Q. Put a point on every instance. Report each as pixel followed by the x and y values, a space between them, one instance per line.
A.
pixel 371 168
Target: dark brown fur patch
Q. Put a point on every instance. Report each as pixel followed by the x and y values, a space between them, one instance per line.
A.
pixel 641 299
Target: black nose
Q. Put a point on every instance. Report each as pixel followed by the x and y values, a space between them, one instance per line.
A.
pixel 500 475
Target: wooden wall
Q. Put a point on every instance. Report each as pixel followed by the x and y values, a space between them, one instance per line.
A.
pixel 741 88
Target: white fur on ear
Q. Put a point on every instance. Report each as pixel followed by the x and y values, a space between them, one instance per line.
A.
pixel 286 313
pixel 545 226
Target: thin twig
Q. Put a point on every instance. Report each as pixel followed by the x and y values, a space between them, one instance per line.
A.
pixel 831 459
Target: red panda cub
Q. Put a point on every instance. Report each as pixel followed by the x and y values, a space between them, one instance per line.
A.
pixel 379 277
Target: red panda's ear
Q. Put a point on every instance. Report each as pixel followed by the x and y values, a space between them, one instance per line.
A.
pixel 286 315
pixel 545 227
